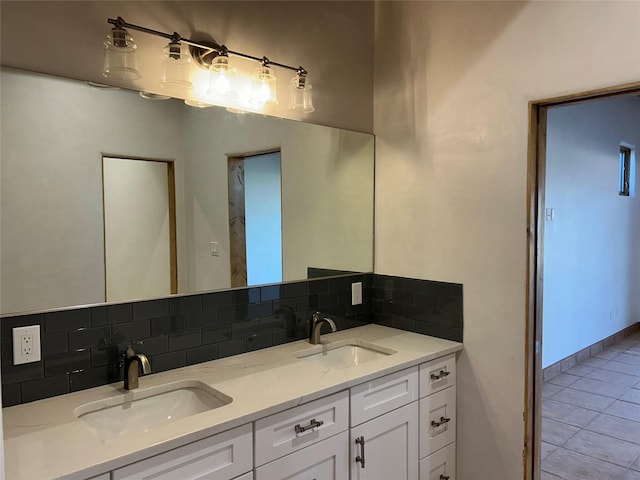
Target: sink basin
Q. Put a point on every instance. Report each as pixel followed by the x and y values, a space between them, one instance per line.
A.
pixel 141 410
pixel 344 353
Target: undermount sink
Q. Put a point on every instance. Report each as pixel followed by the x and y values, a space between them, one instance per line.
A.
pixel 344 353
pixel 141 410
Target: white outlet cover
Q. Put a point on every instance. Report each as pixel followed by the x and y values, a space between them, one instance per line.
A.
pixel 356 293
pixel 18 334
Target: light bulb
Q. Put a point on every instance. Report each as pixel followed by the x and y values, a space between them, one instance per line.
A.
pixel 221 78
pixel 263 87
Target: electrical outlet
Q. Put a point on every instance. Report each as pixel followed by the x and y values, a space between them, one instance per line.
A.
pixel 26 344
pixel 356 293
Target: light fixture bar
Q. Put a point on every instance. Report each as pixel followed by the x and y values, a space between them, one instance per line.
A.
pixel 210 48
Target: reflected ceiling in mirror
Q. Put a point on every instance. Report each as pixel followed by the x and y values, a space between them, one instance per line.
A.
pixel 56 134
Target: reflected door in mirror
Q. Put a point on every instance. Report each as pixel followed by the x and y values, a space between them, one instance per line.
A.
pixel 255 219
pixel 139 229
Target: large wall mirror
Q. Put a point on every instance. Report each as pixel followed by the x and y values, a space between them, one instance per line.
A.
pixel 105 191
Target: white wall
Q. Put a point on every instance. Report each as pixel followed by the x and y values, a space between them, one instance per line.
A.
pixel 452 86
pixel 332 40
pixel 591 254
pixel 52 234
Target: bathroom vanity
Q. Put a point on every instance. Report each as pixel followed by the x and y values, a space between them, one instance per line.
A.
pixel 367 403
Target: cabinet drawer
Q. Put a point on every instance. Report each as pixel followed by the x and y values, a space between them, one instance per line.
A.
pixel 437 375
pixel 326 460
pixel 280 434
pixel 437 421
pixel 440 465
pixel 377 397
pixel 220 457
pixel 104 476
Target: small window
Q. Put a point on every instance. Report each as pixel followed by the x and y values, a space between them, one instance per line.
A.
pixel 624 184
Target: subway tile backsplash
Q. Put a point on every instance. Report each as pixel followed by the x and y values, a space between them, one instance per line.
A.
pixel 421 306
pixel 82 348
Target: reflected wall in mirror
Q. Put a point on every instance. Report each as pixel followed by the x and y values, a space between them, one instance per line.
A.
pixel 55 133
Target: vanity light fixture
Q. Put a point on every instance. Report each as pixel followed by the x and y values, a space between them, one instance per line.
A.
pixel 120 59
pixel 221 77
pixel 175 66
pixel 120 62
pixel 197 104
pixel 300 93
pixel 263 85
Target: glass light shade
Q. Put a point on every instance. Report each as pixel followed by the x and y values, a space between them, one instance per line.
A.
pixel 300 98
pixel 222 78
pixel 197 104
pixel 263 87
pixel 120 56
pixel 176 66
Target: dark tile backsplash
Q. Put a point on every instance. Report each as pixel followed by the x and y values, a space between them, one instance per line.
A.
pixel 421 306
pixel 82 348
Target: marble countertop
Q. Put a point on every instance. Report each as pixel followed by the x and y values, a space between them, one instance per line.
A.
pixel 44 439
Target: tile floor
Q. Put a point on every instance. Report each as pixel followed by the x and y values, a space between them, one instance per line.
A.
pixel 591 417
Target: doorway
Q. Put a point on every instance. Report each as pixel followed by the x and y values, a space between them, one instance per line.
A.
pixel 539 214
pixel 139 228
pixel 255 218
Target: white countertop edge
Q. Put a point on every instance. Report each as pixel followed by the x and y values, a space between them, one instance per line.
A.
pixel 381 336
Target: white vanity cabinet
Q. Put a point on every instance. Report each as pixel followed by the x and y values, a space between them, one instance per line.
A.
pixel 224 456
pixel 438 419
pixel 384 427
pixel 399 426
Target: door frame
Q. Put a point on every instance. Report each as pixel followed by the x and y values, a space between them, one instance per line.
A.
pixel 536 167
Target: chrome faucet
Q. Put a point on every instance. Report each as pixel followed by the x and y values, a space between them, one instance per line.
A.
pixel 131 361
pixel 316 325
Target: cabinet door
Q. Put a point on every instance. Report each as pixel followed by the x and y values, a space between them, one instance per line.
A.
pixel 390 447
pixel 437 421
pixel 440 465
pixel 221 457
pixel 326 460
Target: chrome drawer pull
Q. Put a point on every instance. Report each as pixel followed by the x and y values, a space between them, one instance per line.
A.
pixel 312 424
pixel 360 458
pixel 444 477
pixel 442 421
pixel 439 376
